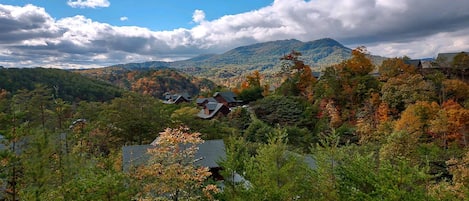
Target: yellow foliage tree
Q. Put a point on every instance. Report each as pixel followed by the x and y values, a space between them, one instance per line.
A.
pixel 458 189
pixel 409 129
pixel 395 67
pixel 360 64
pixel 170 173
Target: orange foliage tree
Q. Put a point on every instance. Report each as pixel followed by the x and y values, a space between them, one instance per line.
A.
pixel 299 77
pixel 451 124
pixel 349 84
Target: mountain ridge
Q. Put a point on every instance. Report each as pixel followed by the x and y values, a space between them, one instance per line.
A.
pixel 230 66
pixel 259 56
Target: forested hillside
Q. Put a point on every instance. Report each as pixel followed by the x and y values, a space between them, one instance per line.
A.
pixel 67 85
pixel 350 135
pixel 154 82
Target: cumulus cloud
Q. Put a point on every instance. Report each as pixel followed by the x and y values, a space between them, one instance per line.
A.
pixel 198 16
pixel 29 36
pixel 123 18
pixel 88 3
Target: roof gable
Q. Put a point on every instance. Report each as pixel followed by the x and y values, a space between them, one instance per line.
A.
pixel 202 100
pixel 413 62
pixel 214 108
pixel 229 96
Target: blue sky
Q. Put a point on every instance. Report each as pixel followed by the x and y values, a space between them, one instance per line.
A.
pixel 96 33
pixel 156 15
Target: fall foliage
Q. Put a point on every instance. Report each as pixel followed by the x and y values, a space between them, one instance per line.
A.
pixel 171 172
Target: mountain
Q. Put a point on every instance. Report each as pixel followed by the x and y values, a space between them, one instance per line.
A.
pixel 261 56
pixel 65 84
pixel 231 66
pixel 265 57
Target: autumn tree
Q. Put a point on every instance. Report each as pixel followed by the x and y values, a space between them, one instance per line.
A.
pixel 457 188
pixel 372 119
pixel 251 88
pixel 450 124
pixel 299 77
pixel 394 67
pixel 410 130
pixel 456 90
pixel 399 92
pixel 170 172
pixel 348 84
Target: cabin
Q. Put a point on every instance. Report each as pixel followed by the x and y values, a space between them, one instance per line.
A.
pixel 445 63
pixel 213 109
pixel 2 145
pixel 202 101
pixel 176 98
pixel 227 98
pixel 208 155
pixel 445 60
pixel 416 63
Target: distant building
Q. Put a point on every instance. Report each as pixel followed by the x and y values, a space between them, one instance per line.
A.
pixel 213 109
pixel 416 63
pixel 219 104
pixel 2 145
pixel 227 98
pixel 445 60
pixel 176 98
pixel 445 63
pixel 202 101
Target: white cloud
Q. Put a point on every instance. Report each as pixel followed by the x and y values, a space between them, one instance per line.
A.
pixel 198 16
pixel 123 18
pixel 88 3
pixel 30 35
pixel 425 47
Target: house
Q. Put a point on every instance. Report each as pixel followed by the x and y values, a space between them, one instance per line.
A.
pixel 202 101
pixel 213 109
pixel 227 98
pixel 208 155
pixel 445 63
pixel 416 63
pixel 2 145
pixel 445 60
pixel 176 98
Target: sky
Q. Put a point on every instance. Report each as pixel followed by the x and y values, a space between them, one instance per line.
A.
pixel 96 33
